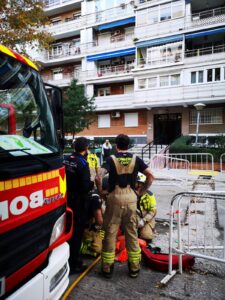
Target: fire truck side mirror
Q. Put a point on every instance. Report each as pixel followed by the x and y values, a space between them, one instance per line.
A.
pixel 56 102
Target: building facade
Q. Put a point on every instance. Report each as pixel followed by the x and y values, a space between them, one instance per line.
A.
pixel 146 62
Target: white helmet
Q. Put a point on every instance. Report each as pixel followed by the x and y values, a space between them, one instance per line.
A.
pixel 141 177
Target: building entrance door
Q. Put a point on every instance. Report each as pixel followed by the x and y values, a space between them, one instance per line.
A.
pixel 167 127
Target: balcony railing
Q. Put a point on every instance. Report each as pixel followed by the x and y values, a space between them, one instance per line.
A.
pixel 110 42
pixel 65 26
pixel 53 3
pixel 62 52
pixel 138 2
pixel 167 60
pixel 113 70
pixel 65 78
pixel 119 12
pixel 208 17
pixel 205 51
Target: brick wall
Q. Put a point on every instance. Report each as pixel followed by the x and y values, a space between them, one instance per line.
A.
pixel 210 128
pixel 117 126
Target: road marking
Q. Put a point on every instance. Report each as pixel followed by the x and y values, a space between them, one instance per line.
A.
pixel 203 172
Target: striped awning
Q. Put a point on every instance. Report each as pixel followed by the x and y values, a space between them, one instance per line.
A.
pixel 160 41
pixel 117 23
pixel 204 33
pixel 112 54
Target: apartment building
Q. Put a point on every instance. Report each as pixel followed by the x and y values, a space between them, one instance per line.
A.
pixel 146 62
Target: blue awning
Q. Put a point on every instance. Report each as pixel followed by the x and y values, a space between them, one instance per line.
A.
pixel 107 55
pixel 117 23
pixel 160 41
pixel 204 33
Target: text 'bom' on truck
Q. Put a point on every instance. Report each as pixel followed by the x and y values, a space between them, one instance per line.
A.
pixel 35 222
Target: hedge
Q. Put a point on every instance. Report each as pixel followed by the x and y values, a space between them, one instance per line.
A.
pixel 184 145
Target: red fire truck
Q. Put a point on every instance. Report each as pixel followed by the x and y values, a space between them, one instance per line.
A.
pixel 35 222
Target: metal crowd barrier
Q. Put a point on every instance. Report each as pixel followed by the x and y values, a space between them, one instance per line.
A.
pixel 161 165
pixel 198 161
pixel 197 232
pixel 222 158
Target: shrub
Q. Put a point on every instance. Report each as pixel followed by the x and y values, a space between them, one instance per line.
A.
pixel 184 145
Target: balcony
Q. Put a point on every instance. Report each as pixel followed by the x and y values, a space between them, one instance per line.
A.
pixel 65 29
pixel 205 54
pixel 110 42
pixel 62 80
pixel 114 70
pixel 208 17
pixel 110 71
pixel 160 61
pixel 53 7
pixel 181 95
pixel 122 101
pixel 60 55
pixel 122 11
pixel 159 28
pixel 141 2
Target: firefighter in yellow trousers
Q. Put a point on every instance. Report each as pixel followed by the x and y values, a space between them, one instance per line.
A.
pixel 146 210
pixel 93 233
pixel 121 205
pixel 93 162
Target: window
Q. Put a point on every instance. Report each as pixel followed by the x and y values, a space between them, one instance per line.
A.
pixel 129 88
pixel 57 50
pixel 152 82
pixel 217 74
pixel 209 75
pixel 77 15
pixel 207 116
pixel 165 13
pixel 141 83
pixel 56 21
pixel 164 80
pixel 177 10
pixel 193 77
pixel 166 54
pixel 153 15
pixel 131 119
pixel 200 76
pixel 197 77
pixel 57 74
pixel 104 121
pixel 104 91
pixel 175 79
pixel 141 18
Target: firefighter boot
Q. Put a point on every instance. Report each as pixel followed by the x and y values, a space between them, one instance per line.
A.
pixel 107 270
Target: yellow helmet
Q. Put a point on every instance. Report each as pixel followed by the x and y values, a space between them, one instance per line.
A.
pixel 141 177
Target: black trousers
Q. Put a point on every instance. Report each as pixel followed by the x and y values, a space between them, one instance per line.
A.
pixel 80 219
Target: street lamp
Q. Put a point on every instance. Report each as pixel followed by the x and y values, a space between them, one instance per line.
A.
pixel 199 107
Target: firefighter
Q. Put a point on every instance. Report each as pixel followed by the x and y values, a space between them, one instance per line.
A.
pixel 121 205
pixel 146 211
pixel 93 234
pixel 79 185
pixel 93 162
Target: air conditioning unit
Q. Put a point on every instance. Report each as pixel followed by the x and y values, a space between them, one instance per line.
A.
pixel 115 114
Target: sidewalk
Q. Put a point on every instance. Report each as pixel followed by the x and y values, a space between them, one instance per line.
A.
pixel 204 282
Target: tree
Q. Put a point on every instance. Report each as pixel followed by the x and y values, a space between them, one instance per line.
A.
pixel 78 109
pixel 21 22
